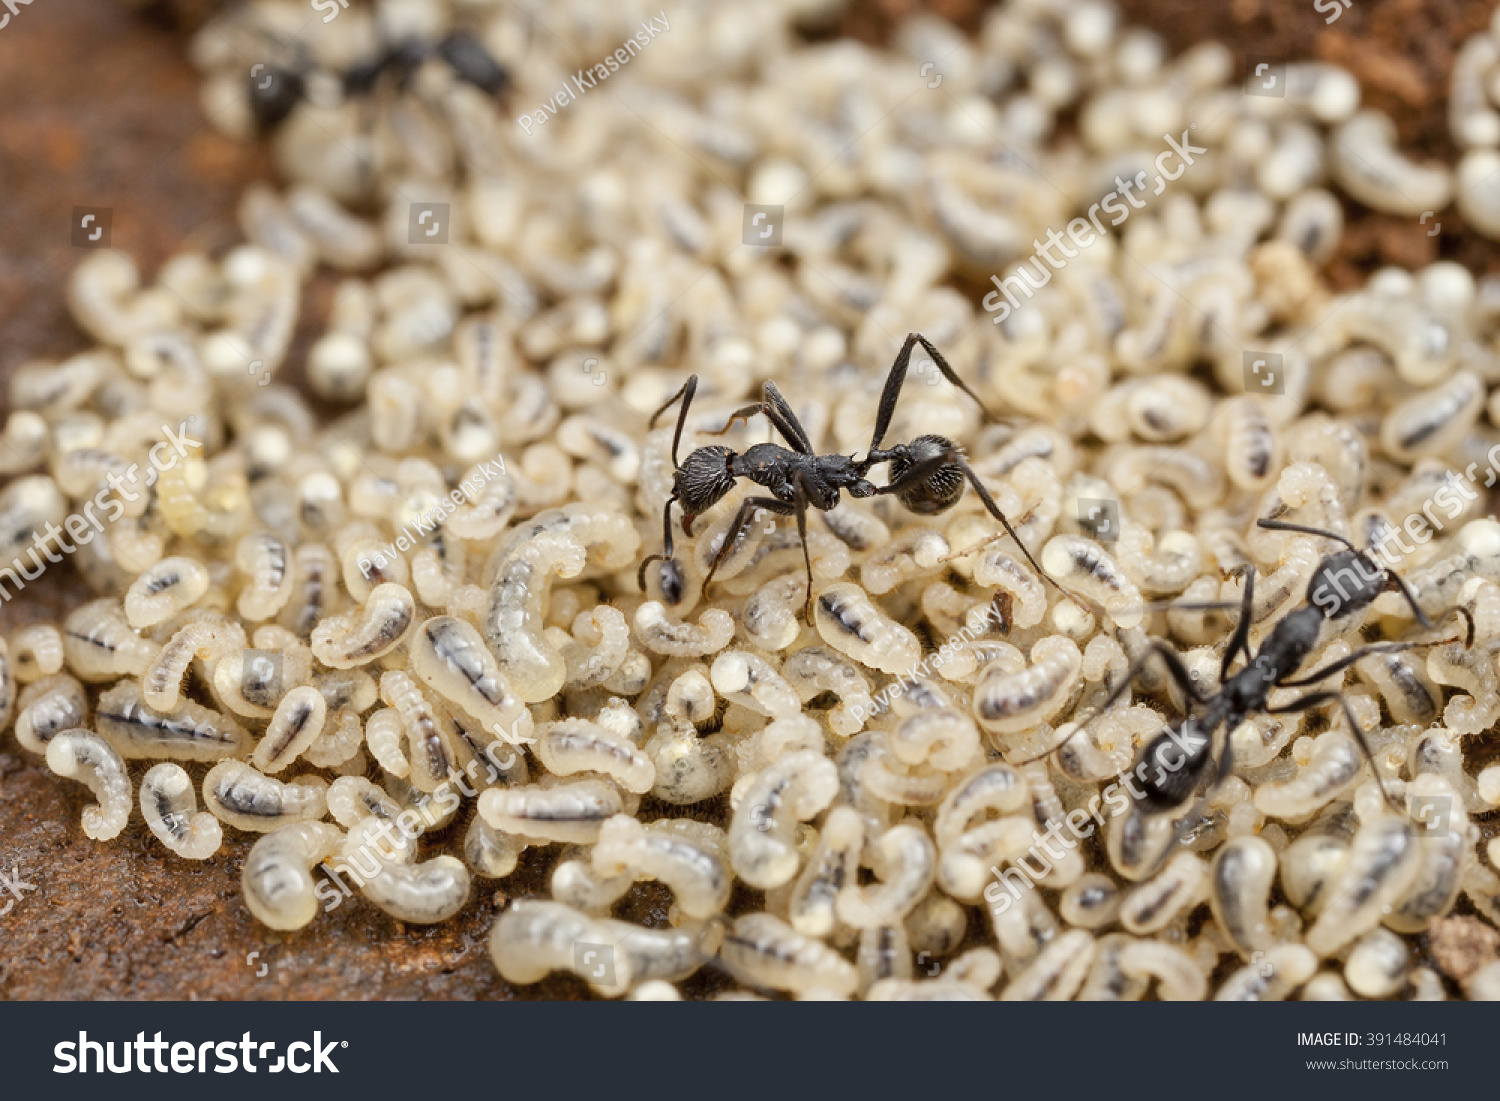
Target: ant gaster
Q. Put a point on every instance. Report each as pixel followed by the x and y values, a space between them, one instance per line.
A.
pixel 926 475
pixel 1345 582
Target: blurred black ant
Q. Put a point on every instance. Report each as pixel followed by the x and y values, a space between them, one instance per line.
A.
pixel 275 90
pixel 1175 763
pixel 926 475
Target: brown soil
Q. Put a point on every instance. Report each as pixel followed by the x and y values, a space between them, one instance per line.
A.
pixel 100 109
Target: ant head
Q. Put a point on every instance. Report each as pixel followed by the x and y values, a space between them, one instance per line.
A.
pixel 702 480
pixel 941 489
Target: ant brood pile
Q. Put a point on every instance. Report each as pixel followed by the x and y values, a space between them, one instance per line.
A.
pixel 909 745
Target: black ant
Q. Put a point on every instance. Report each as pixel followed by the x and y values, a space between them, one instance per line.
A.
pixel 927 475
pixel 1344 583
pixel 276 90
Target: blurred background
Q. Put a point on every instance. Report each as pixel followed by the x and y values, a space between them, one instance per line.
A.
pixel 99 108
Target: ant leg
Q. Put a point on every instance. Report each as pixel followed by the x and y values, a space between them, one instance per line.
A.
pixel 994 510
pixel 1416 609
pixel 1317 699
pixel 779 412
pixel 739 415
pixel 689 388
pixel 1349 659
pixel 897 376
pixel 806 554
pixel 666 539
pixel 1282 525
pixel 741 521
pixel 1240 640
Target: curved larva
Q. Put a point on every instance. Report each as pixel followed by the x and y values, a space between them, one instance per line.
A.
pixel 1378 964
pixel 294 727
pixel 833 864
pixel 816 670
pixel 905 860
pixel 915 551
pixel 1057 972
pixel 384 736
pixel 490 511
pixel 600 643
pixel 698 875
pixel 577 883
pixel 342 642
pixel 1445 853
pixel 489 852
pixel 430 733
pixel 83 756
pixel 364 565
pixel 933 732
pixel 1334 766
pixel 762 841
pixel 100 645
pixel 277 878
pixel 514 623
pixel 1272 978
pixel 48 707
pixel 588 437
pixel 1365 160
pixel 1402 681
pixel 690 698
pixel 1009 699
pixel 450 656
pixel 420 893
pixel 1131 469
pixel 1384 859
pixel 1176 889
pixel 341 738
pixel 1251 451
pixel 439 568
pixel 1107 980
pixel 189 732
pixel 849 622
pixel 574 811
pixel 1137 843
pixel 1178 976
pixel 996 569
pixel 772 615
pixel 997 788
pixel 211 639
pixel 237 795
pixel 34 652
pixel 534 937
pixel 170 807
pixel 1160 566
pixel 904 785
pixel 352 799
pixel 315 573
pixel 1090 902
pixel 163 590
pixel 752 682
pixel 578 745
pixel 762 950
pixel 1244 869
pixel 883 955
pixel 965 861
pixel 1433 421
pixel 1083 566
pixel 689 768
pixel 661 634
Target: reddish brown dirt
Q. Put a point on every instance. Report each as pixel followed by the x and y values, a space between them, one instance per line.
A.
pixel 100 109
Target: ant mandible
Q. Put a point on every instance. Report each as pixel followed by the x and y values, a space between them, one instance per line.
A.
pixel 926 475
